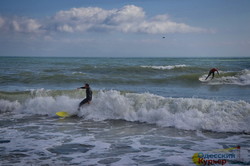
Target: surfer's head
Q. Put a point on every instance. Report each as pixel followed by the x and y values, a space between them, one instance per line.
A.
pixel 86 85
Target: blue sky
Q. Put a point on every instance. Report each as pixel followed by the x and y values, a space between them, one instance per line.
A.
pixel 125 28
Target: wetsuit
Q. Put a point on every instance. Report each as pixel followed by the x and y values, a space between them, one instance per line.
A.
pixel 212 72
pixel 88 96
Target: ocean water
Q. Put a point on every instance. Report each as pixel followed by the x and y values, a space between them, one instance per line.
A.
pixel 145 111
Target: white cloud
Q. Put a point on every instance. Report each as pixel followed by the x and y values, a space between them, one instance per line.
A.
pixel 86 15
pixel 65 28
pixel 20 24
pixel 31 25
pixel 127 14
pixel 129 19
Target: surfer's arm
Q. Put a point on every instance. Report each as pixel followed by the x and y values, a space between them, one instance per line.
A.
pixel 81 88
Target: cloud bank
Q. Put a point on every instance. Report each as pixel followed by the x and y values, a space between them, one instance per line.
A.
pixel 128 19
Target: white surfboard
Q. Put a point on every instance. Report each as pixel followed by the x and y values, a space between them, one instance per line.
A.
pixel 203 78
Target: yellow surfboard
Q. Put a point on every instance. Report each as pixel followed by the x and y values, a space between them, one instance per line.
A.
pixel 63 114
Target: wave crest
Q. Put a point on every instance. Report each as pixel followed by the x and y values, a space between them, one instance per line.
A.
pixel 182 113
pixel 241 78
pixel 168 67
pixel 8 106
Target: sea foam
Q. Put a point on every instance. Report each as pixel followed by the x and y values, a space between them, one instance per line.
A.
pixel 182 113
pixel 168 67
pixel 242 78
pixel 8 106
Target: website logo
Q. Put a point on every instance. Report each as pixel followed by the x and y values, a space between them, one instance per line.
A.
pixel 217 157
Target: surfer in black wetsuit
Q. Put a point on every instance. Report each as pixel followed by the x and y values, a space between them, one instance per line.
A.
pixel 212 71
pixel 88 95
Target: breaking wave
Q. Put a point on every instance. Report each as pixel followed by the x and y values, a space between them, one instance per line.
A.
pixel 241 78
pixel 168 67
pixel 182 113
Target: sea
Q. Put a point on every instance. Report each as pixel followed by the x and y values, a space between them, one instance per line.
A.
pixel 145 111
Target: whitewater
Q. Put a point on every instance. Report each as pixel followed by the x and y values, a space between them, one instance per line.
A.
pixel 181 113
pixel 145 111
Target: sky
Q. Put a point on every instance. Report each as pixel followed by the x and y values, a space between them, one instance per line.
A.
pixel 125 28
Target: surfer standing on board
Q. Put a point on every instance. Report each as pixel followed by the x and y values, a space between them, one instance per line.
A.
pixel 88 95
pixel 212 72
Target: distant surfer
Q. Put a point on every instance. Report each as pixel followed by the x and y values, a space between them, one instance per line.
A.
pixel 212 72
pixel 88 95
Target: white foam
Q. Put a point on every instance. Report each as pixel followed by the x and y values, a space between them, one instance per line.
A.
pixel 50 105
pixel 168 67
pixel 242 78
pixel 182 113
pixel 8 106
pixel 78 73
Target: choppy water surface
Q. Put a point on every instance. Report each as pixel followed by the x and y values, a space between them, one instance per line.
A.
pixel 74 141
pixel 145 111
